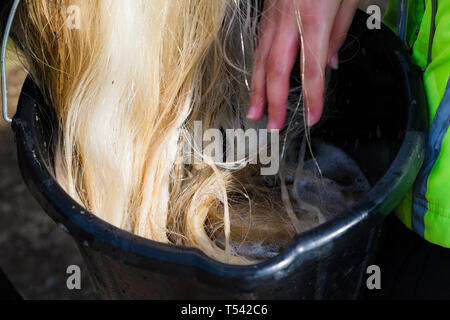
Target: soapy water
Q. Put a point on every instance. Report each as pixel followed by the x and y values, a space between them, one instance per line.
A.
pixel 317 181
pixel 342 183
pixel 317 197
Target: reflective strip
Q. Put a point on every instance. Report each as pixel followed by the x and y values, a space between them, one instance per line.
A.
pixel 437 133
pixel 402 15
pixel 432 32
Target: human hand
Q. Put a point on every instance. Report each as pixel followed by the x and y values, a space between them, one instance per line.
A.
pixel 324 25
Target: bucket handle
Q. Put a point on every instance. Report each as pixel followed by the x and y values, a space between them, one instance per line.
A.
pixel 12 13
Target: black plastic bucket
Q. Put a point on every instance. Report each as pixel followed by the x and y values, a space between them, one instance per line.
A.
pixel 378 117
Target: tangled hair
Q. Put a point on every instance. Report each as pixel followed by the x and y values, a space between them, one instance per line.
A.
pixel 127 87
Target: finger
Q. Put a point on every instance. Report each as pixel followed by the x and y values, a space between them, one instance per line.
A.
pixel 266 33
pixel 315 37
pixel 284 53
pixel 338 35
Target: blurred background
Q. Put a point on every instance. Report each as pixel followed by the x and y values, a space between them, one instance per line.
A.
pixel 34 251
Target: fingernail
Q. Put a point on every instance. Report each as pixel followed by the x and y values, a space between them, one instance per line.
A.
pixel 312 119
pixel 334 62
pixel 252 113
pixel 272 126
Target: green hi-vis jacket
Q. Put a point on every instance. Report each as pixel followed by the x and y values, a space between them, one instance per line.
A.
pixel 424 27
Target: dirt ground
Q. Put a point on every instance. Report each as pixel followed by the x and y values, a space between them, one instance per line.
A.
pixel 34 252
